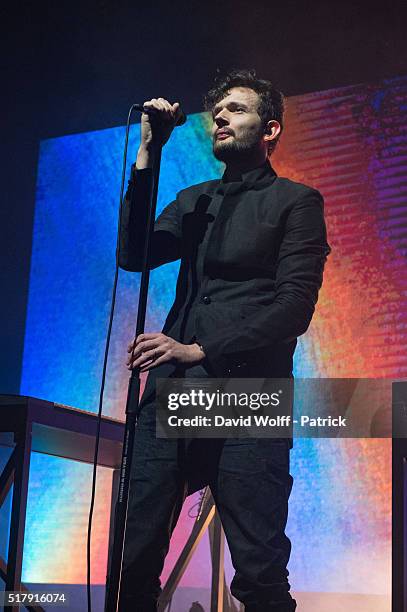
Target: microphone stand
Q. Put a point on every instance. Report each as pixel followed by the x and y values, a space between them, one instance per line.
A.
pixel 132 405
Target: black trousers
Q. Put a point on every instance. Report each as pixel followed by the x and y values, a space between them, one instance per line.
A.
pixel 250 482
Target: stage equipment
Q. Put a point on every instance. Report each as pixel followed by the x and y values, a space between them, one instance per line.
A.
pixel 133 393
pixel 399 498
pixel 30 424
pixel 207 518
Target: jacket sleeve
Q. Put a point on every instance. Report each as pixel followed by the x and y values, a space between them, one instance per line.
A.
pixel 300 263
pixel 166 239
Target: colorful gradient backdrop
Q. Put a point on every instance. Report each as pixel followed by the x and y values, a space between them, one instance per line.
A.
pixel 351 144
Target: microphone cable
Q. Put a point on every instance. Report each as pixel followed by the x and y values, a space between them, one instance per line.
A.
pixel 106 353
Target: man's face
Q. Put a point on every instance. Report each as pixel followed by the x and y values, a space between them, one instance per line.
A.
pixel 237 129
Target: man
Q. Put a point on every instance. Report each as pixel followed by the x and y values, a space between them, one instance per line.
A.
pixel 252 249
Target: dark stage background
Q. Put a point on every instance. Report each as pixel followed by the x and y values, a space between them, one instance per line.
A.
pixel 74 67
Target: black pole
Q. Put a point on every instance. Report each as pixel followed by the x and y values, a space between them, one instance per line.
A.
pixel 132 404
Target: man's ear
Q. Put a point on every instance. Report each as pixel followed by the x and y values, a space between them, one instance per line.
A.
pixel 272 130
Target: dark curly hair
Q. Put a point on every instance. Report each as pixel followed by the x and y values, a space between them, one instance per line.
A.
pixel 271 105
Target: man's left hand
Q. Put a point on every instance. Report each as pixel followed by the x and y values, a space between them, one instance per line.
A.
pixel 152 349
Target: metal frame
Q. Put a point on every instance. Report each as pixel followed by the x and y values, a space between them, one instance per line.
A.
pixel 208 518
pixel 29 424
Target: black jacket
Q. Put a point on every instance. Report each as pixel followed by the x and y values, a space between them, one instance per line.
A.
pixel 252 256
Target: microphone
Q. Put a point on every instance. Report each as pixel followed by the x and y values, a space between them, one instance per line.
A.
pixel 152 111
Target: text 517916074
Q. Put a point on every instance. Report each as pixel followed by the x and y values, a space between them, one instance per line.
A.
pixel 25 598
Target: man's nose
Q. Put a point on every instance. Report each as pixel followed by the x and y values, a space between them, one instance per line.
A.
pixel 221 119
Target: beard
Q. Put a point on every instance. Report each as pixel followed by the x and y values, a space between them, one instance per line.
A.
pixel 233 150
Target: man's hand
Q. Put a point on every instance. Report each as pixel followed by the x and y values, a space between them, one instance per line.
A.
pixel 156 128
pixel 151 350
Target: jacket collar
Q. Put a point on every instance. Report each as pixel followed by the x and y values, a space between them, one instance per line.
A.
pixel 258 178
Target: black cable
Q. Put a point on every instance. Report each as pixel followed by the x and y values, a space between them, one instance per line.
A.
pixel 102 386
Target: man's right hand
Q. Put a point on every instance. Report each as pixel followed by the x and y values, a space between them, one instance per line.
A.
pixel 156 129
